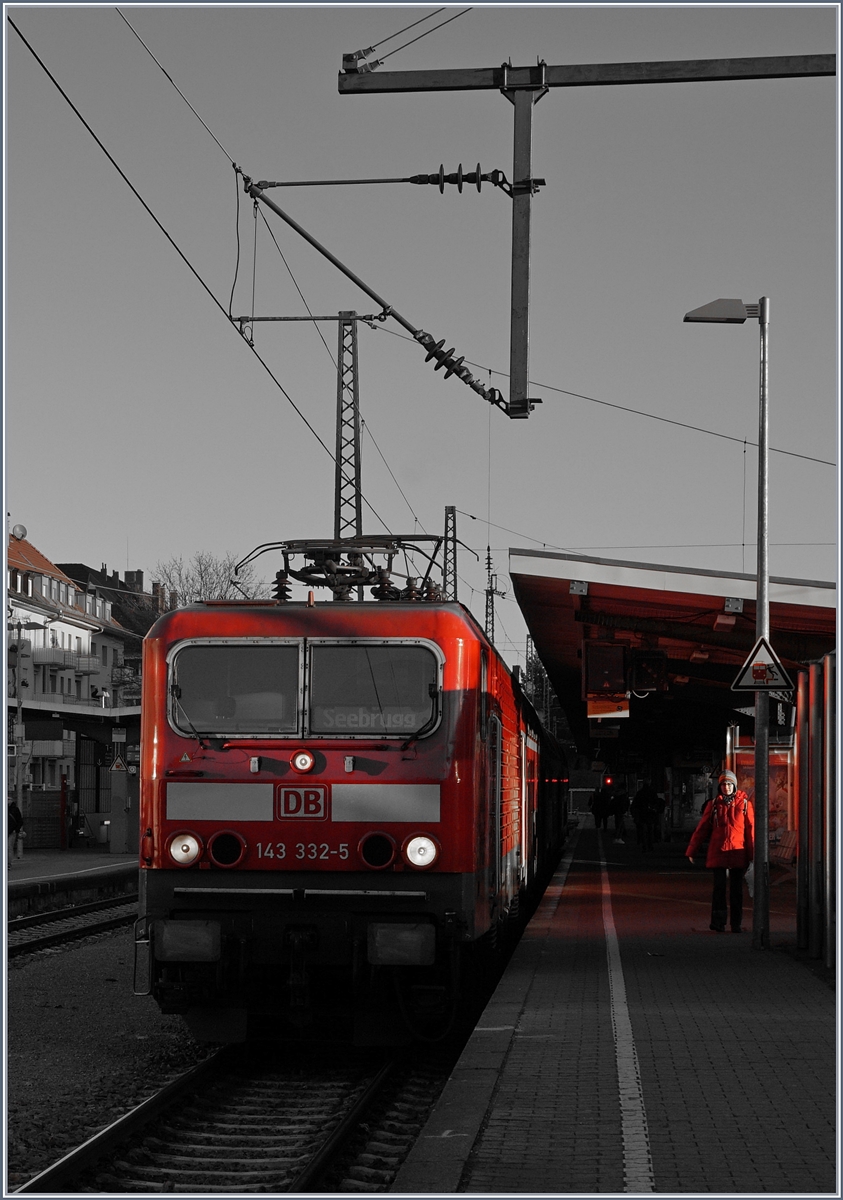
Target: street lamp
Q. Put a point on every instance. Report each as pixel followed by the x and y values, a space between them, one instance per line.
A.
pixel 735 312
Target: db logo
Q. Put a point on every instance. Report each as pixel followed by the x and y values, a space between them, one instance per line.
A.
pixel 310 803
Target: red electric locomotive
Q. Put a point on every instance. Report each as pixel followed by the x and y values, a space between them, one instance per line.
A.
pixel 336 800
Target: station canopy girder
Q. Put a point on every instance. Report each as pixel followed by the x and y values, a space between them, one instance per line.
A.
pixel 702 624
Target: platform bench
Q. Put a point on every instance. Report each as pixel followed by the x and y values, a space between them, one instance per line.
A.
pixel 783 853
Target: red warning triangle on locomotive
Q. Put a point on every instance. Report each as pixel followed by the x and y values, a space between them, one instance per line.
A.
pixel 762 671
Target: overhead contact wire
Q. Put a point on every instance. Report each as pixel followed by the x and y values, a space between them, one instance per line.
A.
pixel 237 235
pixel 413 24
pixel 395 481
pixel 298 289
pixel 263 216
pixel 334 364
pixel 175 85
pixel 638 412
pixel 548 387
pixel 178 250
pixel 441 25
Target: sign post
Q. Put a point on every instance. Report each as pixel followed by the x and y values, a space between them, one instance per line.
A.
pixel 118 841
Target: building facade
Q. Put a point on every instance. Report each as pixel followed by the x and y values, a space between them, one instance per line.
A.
pixel 73 700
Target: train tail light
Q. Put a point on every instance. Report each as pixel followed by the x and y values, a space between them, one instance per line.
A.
pixel 185 848
pixel 377 850
pixel 421 851
pixel 226 849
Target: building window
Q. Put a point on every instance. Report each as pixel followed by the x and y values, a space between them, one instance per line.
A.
pixel 104 655
pixel 78 689
pixel 78 645
pixel 52 683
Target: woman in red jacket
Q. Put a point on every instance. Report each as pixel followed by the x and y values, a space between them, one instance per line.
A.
pixel 727 824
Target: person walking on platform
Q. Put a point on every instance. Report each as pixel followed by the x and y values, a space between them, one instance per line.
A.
pixel 618 808
pixel 15 832
pixel 728 824
pixel 600 805
pixel 646 808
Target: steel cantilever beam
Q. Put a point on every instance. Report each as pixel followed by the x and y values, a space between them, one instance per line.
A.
pixel 524 86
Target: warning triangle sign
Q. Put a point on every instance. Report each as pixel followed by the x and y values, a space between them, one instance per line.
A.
pixel 762 671
pixel 118 764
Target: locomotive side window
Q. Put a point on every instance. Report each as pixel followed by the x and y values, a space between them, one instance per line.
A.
pixel 372 689
pixel 235 689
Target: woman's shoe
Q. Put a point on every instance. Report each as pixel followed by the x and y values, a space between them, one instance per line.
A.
pixel 718 928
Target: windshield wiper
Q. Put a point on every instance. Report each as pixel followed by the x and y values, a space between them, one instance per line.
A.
pixel 175 692
pixel 433 692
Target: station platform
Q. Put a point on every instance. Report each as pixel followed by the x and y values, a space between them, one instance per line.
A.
pixel 44 865
pixel 44 880
pixel 628 1049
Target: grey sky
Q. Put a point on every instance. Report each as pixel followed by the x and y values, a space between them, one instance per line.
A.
pixel 136 416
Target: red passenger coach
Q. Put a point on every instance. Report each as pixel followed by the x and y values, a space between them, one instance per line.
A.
pixel 336 801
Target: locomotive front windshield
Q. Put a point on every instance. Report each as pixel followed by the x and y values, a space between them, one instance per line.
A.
pixel 374 690
pixel 236 689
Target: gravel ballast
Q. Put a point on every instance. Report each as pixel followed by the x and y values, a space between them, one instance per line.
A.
pixel 82 1050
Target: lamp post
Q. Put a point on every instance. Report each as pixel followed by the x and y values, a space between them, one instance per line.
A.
pixel 735 312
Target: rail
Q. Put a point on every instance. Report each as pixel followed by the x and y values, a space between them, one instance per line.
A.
pixel 236 1126
pixel 42 930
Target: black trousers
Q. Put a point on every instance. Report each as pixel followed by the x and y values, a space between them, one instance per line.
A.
pixel 719 912
pixel 644 831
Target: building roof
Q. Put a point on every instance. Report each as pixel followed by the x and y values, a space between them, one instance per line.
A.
pixel 23 556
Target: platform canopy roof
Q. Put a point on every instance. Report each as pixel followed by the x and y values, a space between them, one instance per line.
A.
pixel 701 623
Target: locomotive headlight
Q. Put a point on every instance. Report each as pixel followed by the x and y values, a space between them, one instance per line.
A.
pixel 421 851
pixel 302 761
pixel 184 848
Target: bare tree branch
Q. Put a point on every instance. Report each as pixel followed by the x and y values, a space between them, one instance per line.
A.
pixel 207 576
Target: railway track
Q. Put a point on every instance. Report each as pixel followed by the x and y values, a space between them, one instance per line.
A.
pixel 245 1120
pixel 27 934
